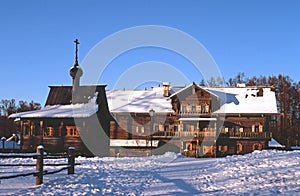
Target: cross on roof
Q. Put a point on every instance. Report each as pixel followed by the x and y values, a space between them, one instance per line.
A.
pixel 76 53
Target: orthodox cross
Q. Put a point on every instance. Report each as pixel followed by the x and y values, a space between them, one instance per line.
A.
pixel 76 53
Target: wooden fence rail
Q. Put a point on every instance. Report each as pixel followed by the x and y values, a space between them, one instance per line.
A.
pixel 40 172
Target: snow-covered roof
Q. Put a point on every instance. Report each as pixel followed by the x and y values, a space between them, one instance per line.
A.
pixel 234 100
pixel 82 110
pixel 138 101
pixel 248 100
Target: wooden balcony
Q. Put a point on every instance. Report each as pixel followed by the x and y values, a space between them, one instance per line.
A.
pixel 259 135
pixel 193 113
pixel 190 134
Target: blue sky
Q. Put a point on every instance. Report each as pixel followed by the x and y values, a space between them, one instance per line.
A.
pixel 37 50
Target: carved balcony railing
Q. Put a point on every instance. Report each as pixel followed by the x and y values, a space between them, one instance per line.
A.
pixel 240 135
pixel 260 135
pixel 169 134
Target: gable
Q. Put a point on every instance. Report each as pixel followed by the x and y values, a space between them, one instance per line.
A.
pixel 62 95
pixel 193 89
pixel 59 95
pixel 194 99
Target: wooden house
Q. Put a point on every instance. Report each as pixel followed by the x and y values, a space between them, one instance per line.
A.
pixel 195 120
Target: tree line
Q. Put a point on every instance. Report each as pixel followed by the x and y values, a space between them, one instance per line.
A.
pixel 8 107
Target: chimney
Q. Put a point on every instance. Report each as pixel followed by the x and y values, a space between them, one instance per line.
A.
pixel 166 86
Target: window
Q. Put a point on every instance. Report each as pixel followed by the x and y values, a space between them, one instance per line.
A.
pixel 166 128
pixel 188 127
pixel 193 108
pixel 72 131
pixel 175 128
pixel 239 129
pixel 137 129
pixel 184 109
pixel 223 148
pixel 188 108
pixel 257 146
pixel 156 127
pixel 159 127
pixel 239 148
pixel 198 108
pixel 255 128
pixel 207 109
pixel 273 124
pixel 28 128
pixel 140 129
pixel 226 130
pixel 50 131
pixel 203 109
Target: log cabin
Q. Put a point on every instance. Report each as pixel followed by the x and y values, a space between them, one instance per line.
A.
pixel 197 121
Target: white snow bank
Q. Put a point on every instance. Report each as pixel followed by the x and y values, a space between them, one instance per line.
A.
pixel 259 173
pixel 274 144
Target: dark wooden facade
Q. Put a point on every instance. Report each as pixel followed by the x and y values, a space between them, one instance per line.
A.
pixel 56 134
pixel 194 129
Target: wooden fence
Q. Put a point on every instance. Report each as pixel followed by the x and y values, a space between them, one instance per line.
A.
pixel 40 172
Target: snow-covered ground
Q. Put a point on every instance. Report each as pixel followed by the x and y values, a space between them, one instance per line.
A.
pixel 258 173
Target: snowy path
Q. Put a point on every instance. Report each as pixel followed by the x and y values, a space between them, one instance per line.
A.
pixel 259 173
pixel 176 178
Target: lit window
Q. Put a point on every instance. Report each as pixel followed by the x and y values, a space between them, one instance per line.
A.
pixel 72 131
pixel 226 130
pixel 198 108
pixel 50 131
pixel 137 129
pixel 142 129
pixel 207 109
pixel 239 148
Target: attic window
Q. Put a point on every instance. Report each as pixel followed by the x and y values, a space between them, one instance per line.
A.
pixel 260 93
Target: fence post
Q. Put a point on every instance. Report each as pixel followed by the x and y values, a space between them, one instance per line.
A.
pixel 39 165
pixel 71 160
pixel 3 139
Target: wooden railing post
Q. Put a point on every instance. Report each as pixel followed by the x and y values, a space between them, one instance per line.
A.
pixel 39 165
pixel 71 160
